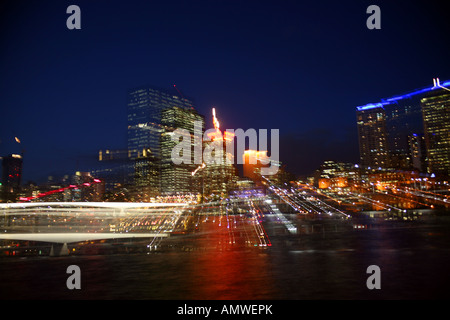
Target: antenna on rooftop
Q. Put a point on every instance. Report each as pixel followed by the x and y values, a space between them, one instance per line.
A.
pixel 178 91
pixel 437 84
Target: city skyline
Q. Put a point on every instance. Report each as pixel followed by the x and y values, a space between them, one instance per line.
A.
pixel 95 164
pixel 407 131
pixel 256 68
pixel 224 151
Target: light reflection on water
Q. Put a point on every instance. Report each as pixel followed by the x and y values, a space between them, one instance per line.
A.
pixel 224 264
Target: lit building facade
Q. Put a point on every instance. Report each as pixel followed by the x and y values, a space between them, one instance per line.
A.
pixel 12 171
pixel 418 151
pixel 146 179
pixel 389 131
pixel 146 136
pixel 220 176
pixel 145 106
pixel 11 176
pixel 333 174
pixel 177 178
pixel 253 162
pixel 436 118
pixel 372 136
pixel 90 189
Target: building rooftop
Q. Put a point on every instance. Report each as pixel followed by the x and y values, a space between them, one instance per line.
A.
pixel 391 100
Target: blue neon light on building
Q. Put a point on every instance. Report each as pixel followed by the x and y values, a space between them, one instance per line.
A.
pixel 400 97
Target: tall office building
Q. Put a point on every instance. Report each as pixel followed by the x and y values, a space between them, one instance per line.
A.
pixel 436 118
pixel 147 178
pixel 389 130
pixel 177 178
pixel 219 177
pixel 145 106
pixel 418 152
pixel 11 176
pixel 403 119
pixel 147 128
pixel 373 149
pixel 220 174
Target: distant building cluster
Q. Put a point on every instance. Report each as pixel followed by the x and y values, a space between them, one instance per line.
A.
pixel 144 169
pixel 407 132
pixel 403 140
pixel 153 116
pixel 354 178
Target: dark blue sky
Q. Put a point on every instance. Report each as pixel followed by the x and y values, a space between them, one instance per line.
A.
pixel 298 66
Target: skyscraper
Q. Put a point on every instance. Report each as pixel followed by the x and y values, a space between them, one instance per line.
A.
pixel 389 130
pixel 436 118
pixel 177 178
pixel 147 134
pixel 145 106
pixel 403 119
pixel 11 176
pixel 418 151
pixel 373 149
pixel 220 174
pixel 147 178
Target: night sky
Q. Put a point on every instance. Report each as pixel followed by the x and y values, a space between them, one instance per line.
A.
pixel 298 66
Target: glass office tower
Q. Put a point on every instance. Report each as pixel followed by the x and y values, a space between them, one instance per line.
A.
pixel 145 106
pixel 146 135
pixel 436 118
pixel 372 135
pixel 220 173
pixel 177 178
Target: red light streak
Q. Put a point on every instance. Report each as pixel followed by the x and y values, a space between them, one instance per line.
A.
pixel 43 194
